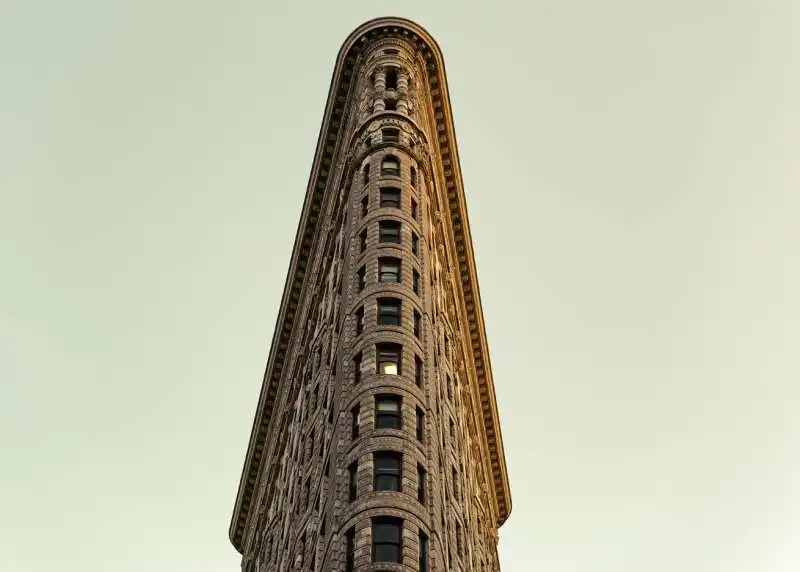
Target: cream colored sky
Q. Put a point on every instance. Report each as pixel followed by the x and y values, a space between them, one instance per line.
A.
pixel 632 171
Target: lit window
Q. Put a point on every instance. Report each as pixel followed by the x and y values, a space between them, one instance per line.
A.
pixel 387 412
pixel 388 358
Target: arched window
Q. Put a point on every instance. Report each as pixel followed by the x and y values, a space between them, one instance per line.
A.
pixel 390 166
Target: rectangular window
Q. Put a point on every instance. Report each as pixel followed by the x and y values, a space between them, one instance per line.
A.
pixel 349 550
pixel 390 198
pixel 365 205
pixel 357 368
pixel 413 175
pixel 420 425
pixel 387 412
pixel 389 311
pixel 390 135
pixel 421 484
pixel 387 534
pixel 362 241
pixel 423 552
pixel 415 243
pixel 455 484
pixel 415 282
pixel 389 231
pixel 366 174
pixel 355 421
pixel 388 470
pixel 388 358
pixel 418 371
pixel 417 323
pixel 390 166
pixel 352 471
pixel 359 320
pixel 389 270
pixel 362 278
pixel 413 209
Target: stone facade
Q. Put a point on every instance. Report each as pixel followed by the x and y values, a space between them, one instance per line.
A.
pixel 376 444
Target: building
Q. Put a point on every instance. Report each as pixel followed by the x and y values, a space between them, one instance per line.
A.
pixel 376 440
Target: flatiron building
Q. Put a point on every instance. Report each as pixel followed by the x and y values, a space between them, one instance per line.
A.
pixel 376 443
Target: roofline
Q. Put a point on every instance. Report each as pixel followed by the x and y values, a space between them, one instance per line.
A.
pixel 301 255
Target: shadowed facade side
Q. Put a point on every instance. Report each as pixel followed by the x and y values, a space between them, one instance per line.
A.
pixel 376 443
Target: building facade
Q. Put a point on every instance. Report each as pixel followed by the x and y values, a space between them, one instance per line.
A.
pixel 376 444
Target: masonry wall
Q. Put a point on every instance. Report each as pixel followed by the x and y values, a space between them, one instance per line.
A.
pixel 317 506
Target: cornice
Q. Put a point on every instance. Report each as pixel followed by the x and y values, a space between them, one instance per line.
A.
pixel 309 226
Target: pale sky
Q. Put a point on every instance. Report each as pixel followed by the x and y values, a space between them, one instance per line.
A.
pixel 632 171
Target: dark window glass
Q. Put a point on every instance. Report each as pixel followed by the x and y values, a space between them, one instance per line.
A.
pixel 389 311
pixel 413 177
pixel 390 166
pixel 390 135
pixel 365 205
pixel 389 231
pixel 388 358
pixel 366 174
pixel 388 470
pixel 387 412
pixel 355 421
pixel 349 551
pixel 420 425
pixel 391 78
pixel 415 243
pixel 423 552
pixel 389 270
pixel 359 320
pixel 418 371
pixel 357 368
pixel 353 480
pixel 421 484
pixel 413 209
pixel 415 282
pixel 362 240
pixel 362 278
pixel 417 323
pixel 390 198
pixel 387 533
pixel 391 104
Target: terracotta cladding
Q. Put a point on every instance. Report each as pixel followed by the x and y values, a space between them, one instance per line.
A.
pixel 350 399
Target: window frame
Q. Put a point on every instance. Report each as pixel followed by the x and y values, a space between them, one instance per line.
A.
pixel 388 524
pixel 385 418
pixel 387 470
pixel 388 229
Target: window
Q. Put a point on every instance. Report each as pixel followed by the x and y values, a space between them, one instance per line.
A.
pixel 362 241
pixel 390 197
pixel 388 470
pixel 413 174
pixel 362 278
pixel 355 421
pixel 389 311
pixel 365 205
pixel 418 371
pixel 415 243
pixel 387 412
pixel 387 533
pixel 423 552
pixel 390 166
pixel 389 270
pixel 357 368
pixel 353 480
pixel 390 135
pixel 414 209
pixel 360 321
pixel 420 425
pixel 391 78
pixel 388 358
pixel 349 550
pixel 417 323
pixel 366 174
pixel 415 282
pixel 421 484
pixel 455 483
pixel 452 430
pixel 389 231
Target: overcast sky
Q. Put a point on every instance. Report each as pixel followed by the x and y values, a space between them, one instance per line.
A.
pixel 632 171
